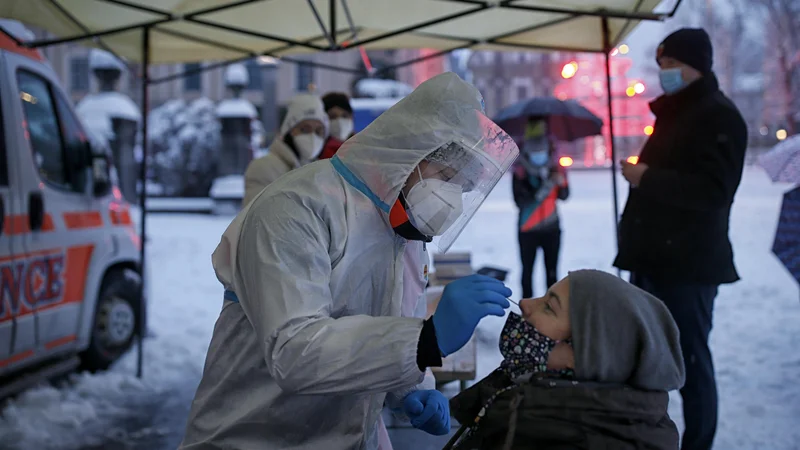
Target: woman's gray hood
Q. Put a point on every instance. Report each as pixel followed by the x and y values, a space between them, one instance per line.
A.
pixel 622 334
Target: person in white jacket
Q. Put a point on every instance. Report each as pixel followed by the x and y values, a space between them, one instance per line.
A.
pixel 299 141
pixel 314 332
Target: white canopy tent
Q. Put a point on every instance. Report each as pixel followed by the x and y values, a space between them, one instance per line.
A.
pixel 175 31
pixel 193 30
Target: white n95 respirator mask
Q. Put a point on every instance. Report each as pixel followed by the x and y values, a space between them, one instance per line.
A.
pixel 433 206
pixel 341 128
pixel 308 145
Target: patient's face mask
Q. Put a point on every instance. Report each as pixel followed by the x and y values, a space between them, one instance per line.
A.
pixel 433 205
pixel 525 350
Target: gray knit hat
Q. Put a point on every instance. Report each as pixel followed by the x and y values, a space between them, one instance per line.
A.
pixel 622 334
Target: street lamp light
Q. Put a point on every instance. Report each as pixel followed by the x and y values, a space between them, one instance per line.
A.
pixel 569 70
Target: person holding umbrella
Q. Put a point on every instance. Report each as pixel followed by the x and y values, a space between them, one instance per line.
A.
pixel 537 184
pixel 782 164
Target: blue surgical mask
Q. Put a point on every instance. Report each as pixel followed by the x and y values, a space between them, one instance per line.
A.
pixel 671 80
pixel 538 158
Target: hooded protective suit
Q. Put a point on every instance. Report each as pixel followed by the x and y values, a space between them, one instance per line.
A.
pixel 281 158
pixel 305 351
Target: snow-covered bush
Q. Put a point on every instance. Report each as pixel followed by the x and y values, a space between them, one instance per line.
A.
pixel 183 147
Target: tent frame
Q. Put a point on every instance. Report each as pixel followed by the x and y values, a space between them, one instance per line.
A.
pixel 331 36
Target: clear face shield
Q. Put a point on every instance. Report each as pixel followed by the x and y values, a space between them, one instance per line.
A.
pixel 451 183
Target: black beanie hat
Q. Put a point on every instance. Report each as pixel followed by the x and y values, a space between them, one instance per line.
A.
pixel 339 99
pixel 691 46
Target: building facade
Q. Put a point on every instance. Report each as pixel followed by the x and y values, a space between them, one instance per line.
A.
pixel 505 78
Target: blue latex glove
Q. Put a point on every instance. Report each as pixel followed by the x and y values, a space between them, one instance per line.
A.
pixel 429 411
pixel 464 303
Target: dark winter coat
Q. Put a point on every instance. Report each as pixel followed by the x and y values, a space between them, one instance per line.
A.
pixel 551 414
pixel 675 224
pixel 536 196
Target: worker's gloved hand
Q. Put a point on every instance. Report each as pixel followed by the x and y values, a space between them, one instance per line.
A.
pixel 464 303
pixel 429 411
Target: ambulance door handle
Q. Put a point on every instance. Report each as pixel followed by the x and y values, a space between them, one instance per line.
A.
pixel 35 211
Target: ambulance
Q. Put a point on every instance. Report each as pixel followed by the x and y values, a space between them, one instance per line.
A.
pixel 70 281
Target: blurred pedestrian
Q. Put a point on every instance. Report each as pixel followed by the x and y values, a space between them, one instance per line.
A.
pixel 340 116
pixel 673 236
pixel 299 141
pixel 537 184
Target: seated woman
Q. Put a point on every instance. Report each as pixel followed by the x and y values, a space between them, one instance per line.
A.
pixel 587 366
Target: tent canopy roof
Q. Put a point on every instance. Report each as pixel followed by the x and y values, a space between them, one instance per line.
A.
pixel 196 30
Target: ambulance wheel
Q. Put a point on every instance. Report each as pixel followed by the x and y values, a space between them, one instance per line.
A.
pixel 115 319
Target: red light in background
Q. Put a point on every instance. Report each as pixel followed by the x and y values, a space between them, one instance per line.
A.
pixel 569 70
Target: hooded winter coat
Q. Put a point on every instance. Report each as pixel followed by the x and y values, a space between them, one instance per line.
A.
pixel 552 414
pixel 263 171
pixel 283 158
pixel 627 357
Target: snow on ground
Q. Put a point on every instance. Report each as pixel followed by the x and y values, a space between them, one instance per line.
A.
pixel 757 328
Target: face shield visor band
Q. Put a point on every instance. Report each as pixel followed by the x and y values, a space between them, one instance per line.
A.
pixel 473 163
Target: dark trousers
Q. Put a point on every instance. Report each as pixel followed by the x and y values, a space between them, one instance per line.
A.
pixel 549 239
pixel 692 307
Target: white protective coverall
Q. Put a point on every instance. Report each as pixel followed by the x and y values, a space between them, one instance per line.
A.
pixel 312 339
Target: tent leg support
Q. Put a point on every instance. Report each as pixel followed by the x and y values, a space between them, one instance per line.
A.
pixel 143 192
pixel 615 200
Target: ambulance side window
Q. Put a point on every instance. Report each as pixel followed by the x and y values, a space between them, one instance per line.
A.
pixel 42 130
pixel 76 145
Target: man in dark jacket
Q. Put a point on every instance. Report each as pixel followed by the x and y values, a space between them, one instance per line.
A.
pixel 673 236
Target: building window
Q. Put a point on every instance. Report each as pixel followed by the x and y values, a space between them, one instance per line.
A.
pixel 513 57
pixel 79 73
pixel 500 101
pixel 255 75
pixel 305 76
pixel 193 81
pixel 522 92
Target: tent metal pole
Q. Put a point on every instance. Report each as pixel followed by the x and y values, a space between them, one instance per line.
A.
pixel 332 24
pixel 417 26
pixel 607 47
pixel 143 193
pixel 93 35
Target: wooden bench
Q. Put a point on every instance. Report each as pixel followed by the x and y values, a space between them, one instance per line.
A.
pixel 461 365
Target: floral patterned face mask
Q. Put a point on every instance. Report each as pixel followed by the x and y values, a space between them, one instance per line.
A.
pixel 525 350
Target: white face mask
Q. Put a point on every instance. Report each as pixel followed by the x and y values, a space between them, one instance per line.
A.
pixel 341 128
pixel 433 206
pixel 308 145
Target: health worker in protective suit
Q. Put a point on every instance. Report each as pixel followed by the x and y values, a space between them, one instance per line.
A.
pixel 314 332
pixel 300 140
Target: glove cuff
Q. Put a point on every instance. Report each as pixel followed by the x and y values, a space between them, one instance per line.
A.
pixel 428 352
